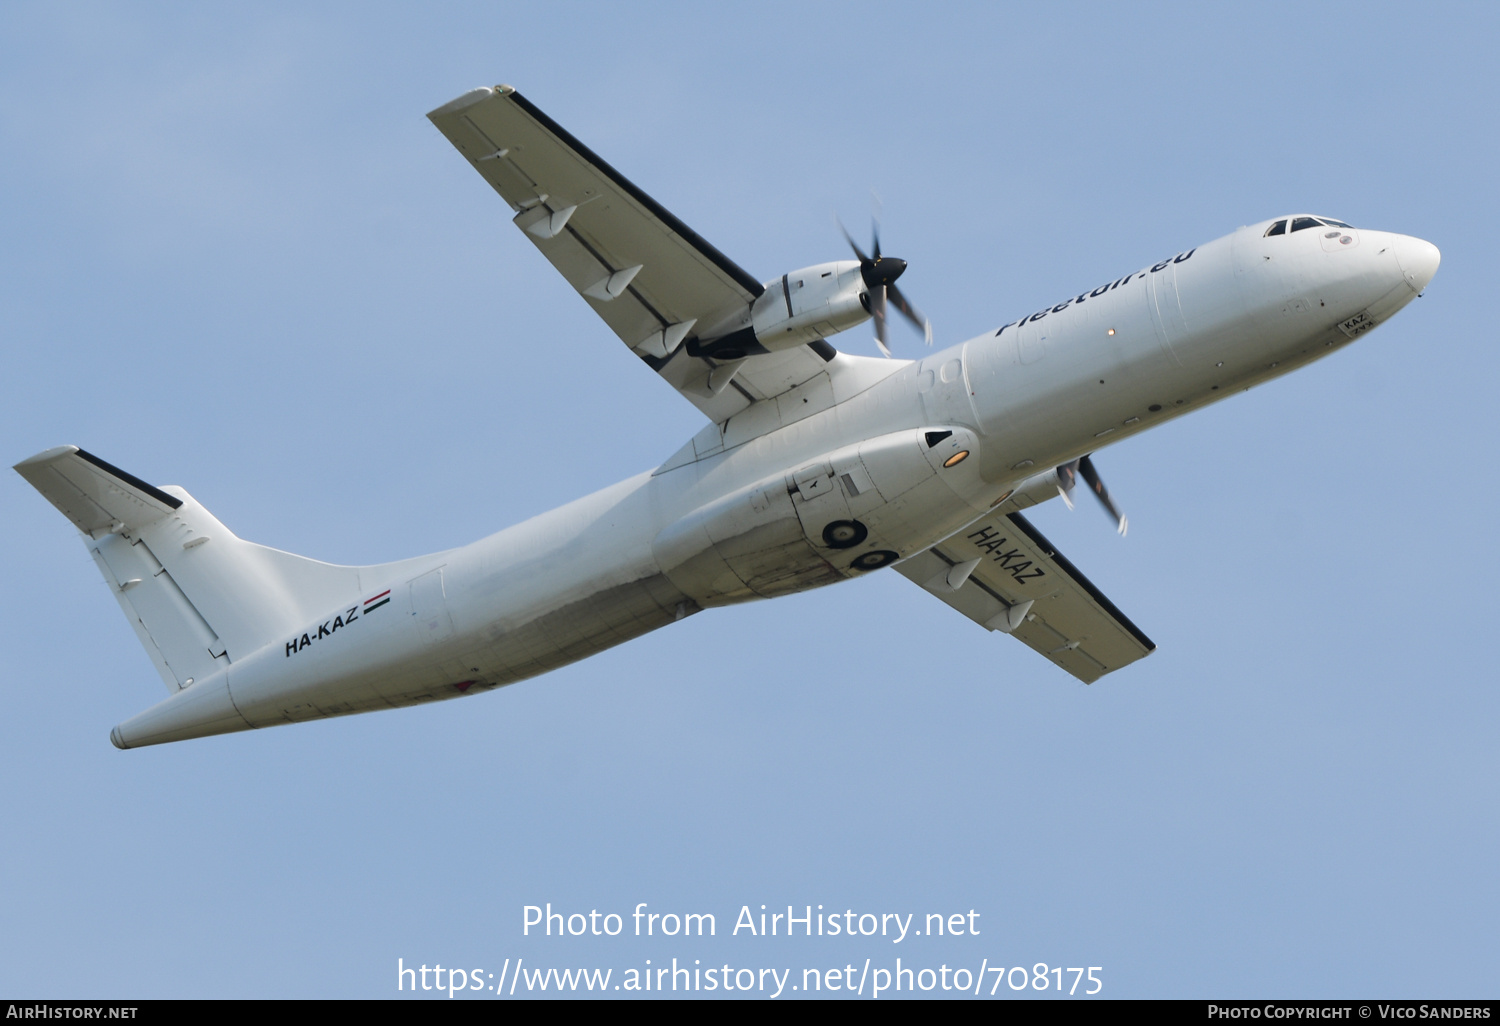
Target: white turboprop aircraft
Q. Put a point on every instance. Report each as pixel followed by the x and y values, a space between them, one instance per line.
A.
pixel 816 465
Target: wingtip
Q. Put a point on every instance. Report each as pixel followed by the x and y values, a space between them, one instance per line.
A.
pixel 46 456
pixel 468 100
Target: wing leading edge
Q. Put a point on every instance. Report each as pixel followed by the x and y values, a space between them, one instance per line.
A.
pixel 1003 574
pixel 651 278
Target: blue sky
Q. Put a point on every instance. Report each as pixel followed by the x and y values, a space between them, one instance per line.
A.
pixel 238 258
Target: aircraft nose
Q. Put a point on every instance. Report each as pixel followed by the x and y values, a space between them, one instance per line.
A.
pixel 1419 261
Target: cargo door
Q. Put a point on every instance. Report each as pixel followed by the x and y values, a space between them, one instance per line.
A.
pixel 429 606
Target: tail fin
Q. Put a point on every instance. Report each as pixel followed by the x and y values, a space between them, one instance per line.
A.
pixel 198 597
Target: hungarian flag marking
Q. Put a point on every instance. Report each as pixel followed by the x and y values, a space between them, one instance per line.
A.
pixel 372 604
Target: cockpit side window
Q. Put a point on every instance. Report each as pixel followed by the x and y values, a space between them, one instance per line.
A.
pixel 1300 223
pixel 1335 224
pixel 1279 228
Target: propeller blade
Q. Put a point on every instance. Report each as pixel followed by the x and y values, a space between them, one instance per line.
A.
pixel 1067 477
pixel 877 310
pixel 880 274
pixel 1091 476
pixel 852 244
pixel 901 303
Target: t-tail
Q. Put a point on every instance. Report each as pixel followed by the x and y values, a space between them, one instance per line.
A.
pixel 199 598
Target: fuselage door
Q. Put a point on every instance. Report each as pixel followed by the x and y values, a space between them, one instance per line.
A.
pixel 429 607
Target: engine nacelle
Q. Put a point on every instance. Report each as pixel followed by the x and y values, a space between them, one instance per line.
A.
pixel 1036 489
pixel 810 304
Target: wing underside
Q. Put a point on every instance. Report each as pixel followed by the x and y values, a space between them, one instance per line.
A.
pixel 96 496
pixel 651 278
pixel 1011 579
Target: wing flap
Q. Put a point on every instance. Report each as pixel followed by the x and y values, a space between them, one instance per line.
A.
pixel 1059 611
pixel 589 269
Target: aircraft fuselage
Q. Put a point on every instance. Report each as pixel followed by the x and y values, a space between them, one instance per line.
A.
pixel 831 480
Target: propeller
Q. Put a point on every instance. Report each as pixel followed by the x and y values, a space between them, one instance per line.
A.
pixel 1067 476
pixel 880 274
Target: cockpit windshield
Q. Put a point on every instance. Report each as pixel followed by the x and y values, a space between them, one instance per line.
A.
pixel 1295 224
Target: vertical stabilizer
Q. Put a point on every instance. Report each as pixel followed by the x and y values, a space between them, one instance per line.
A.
pixel 198 597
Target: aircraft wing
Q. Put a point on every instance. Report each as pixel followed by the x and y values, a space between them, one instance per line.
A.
pixel 1019 584
pixel 651 278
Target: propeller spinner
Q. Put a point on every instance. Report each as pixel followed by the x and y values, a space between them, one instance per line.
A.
pixel 880 274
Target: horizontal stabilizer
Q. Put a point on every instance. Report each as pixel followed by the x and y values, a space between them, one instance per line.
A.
pixel 95 495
